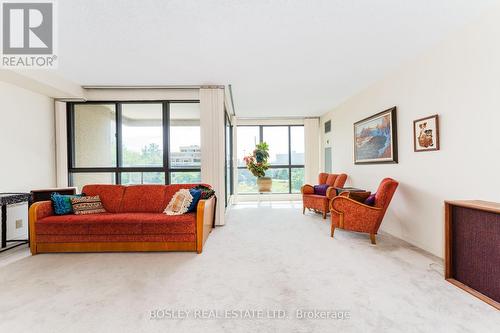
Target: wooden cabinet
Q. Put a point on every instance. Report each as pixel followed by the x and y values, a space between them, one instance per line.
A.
pixel 472 248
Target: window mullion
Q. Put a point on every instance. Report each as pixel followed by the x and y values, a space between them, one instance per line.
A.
pixel 166 141
pixel 70 130
pixel 289 160
pixel 118 134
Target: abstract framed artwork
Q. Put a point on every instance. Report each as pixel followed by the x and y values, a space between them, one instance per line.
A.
pixel 375 139
pixel 426 134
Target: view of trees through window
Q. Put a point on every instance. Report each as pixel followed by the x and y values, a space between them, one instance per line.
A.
pixel 286 157
pixel 124 143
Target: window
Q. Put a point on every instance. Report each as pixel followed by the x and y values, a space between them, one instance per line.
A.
pixel 297 145
pixel 286 157
pixel 94 135
pixel 228 137
pixel 124 143
pixel 185 150
pixel 185 143
pixel 277 138
pixel 185 177
pixel 142 134
pixel 246 181
pixel 246 139
pixel 297 179
pixel 81 179
pixel 280 178
pixel 129 178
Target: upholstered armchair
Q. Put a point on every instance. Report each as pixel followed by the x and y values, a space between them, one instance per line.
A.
pixel 318 202
pixel 352 215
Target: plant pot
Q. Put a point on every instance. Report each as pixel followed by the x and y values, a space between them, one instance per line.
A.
pixel 264 184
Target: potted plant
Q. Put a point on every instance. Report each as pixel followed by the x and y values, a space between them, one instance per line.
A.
pixel 257 164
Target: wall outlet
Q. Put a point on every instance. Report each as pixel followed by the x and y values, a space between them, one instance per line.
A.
pixel 19 224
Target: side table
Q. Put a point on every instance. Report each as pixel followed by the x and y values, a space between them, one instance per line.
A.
pixel 354 193
pixel 10 199
pixel 347 189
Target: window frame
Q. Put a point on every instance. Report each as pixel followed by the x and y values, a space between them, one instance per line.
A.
pixel 119 169
pixel 229 181
pixel 288 166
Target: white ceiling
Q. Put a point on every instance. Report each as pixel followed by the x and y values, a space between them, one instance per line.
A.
pixel 283 58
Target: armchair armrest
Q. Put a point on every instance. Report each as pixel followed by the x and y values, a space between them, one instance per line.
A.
pixel 331 192
pixel 354 215
pixel 342 204
pixel 38 211
pixel 205 221
pixel 307 189
pixel 41 209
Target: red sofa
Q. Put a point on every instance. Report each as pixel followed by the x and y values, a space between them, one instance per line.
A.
pixel 134 221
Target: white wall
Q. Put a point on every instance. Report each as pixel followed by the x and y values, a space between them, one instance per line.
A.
pixel 459 80
pixel 311 151
pixel 27 144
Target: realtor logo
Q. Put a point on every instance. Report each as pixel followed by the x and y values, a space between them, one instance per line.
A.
pixel 28 34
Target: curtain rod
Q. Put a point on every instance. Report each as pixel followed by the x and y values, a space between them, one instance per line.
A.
pixel 275 118
pixel 138 87
pixel 215 86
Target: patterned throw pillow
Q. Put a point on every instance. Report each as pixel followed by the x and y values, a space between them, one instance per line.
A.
pixel 320 189
pixel 370 201
pixel 180 202
pixel 62 203
pixel 87 205
pixel 196 197
pixel 206 192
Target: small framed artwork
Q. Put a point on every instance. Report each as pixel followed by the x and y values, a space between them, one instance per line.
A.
pixel 426 134
pixel 375 139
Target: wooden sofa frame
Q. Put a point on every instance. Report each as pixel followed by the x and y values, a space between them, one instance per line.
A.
pixel 205 222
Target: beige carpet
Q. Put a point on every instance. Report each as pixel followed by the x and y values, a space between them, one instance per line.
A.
pixel 270 259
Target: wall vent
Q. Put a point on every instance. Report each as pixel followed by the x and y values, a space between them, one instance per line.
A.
pixel 328 126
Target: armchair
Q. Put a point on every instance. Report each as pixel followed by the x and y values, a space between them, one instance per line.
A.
pixel 319 203
pixel 352 215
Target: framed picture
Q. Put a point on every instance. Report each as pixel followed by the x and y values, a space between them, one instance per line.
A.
pixel 375 139
pixel 426 134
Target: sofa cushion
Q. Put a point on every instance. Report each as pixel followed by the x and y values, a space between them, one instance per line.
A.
pixel 61 225
pixel 117 224
pixel 159 224
pixel 111 195
pixel 115 238
pixel 144 198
